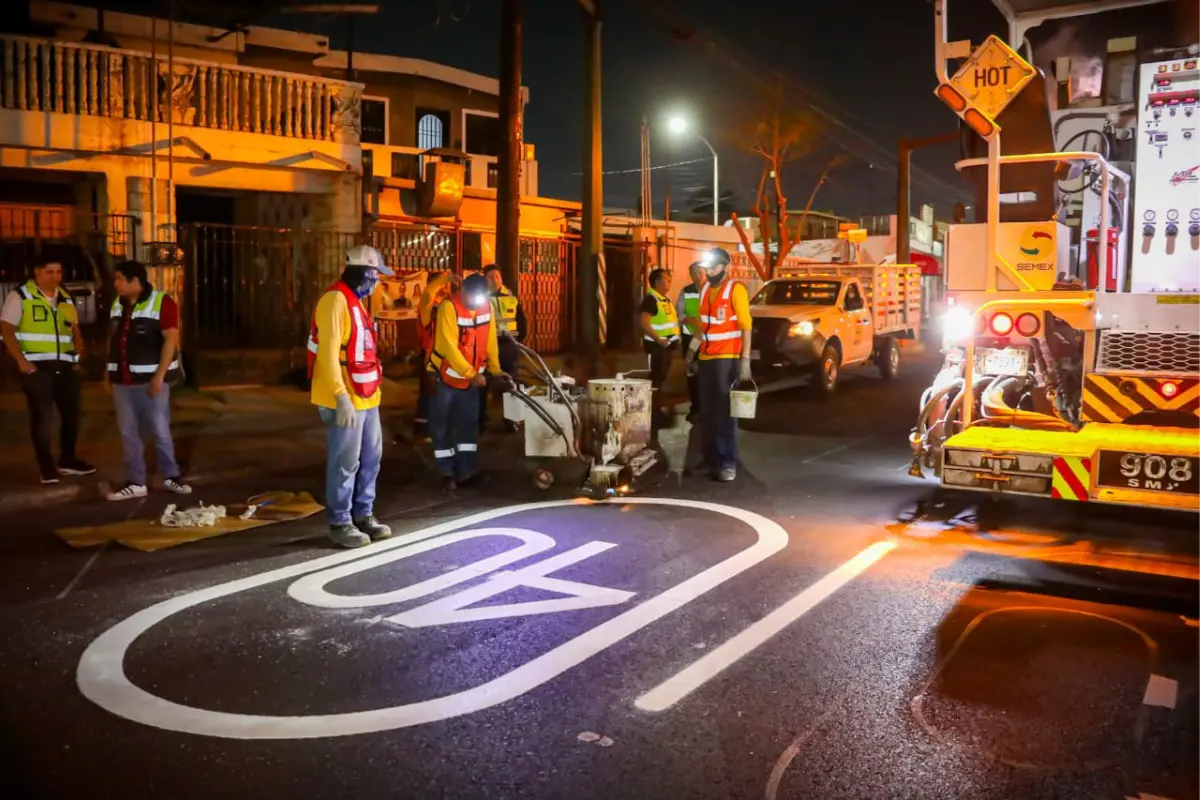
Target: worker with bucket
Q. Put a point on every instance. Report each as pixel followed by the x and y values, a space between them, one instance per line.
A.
pixel 722 348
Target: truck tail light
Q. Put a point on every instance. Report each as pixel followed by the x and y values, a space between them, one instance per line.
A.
pixel 1001 324
pixel 1028 324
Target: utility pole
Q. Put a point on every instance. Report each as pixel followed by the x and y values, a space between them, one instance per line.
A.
pixel 904 189
pixel 591 251
pixel 508 190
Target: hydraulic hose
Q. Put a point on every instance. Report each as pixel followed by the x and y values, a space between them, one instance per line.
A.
pixel 551 384
pixel 996 411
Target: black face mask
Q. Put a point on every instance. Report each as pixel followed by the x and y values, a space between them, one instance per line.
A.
pixel 362 280
pixel 715 278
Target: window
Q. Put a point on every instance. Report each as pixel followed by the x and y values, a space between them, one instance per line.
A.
pixel 481 133
pixel 797 293
pixel 374 120
pixel 431 130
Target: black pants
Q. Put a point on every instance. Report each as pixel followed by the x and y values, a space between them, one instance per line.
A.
pixel 54 384
pixel 660 367
pixel 425 381
pixel 510 359
pixel 692 380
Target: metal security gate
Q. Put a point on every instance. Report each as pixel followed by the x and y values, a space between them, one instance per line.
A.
pixel 547 292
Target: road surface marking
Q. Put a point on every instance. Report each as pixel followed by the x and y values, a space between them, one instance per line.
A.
pixel 837 449
pixel 1161 692
pixel 79 575
pixel 101 672
pixel 683 683
pixel 789 754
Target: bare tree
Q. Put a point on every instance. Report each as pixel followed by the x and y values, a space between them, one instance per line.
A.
pixel 778 136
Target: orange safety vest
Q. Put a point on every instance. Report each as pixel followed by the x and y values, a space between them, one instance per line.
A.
pixel 428 332
pixel 719 330
pixel 359 355
pixel 474 327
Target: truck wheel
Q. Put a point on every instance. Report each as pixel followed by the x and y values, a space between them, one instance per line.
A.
pixel 888 360
pixel 828 370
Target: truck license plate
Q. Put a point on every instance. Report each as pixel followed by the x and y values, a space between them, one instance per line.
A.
pixel 1002 361
pixel 1160 473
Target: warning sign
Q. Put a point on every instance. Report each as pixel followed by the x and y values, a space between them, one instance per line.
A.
pixel 992 77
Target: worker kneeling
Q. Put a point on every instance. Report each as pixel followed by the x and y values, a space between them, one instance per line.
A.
pixel 464 348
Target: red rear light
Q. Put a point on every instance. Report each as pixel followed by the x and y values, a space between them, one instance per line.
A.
pixel 1001 324
pixel 1168 389
pixel 1028 324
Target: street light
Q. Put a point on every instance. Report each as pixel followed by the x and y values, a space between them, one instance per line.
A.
pixel 679 125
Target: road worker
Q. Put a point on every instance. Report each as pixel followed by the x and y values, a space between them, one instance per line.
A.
pixel 436 290
pixel 723 350
pixel 509 320
pixel 346 375
pixel 465 347
pixel 41 333
pixel 660 334
pixel 687 309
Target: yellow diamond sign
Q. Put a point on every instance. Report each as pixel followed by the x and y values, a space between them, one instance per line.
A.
pixel 992 77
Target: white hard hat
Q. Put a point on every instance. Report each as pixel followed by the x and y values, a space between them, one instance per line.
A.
pixel 363 255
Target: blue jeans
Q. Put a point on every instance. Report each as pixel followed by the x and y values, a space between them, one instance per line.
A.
pixel 717 428
pixel 454 428
pixel 351 465
pixel 137 411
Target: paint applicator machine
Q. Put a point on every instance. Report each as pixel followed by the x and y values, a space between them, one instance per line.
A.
pixel 604 427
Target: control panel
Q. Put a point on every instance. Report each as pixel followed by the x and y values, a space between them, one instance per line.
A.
pixel 1166 223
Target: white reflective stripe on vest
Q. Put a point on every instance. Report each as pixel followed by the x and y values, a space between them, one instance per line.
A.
pixel 44 337
pixel 69 357
pixel 365 377
pixel 665 326
pixel 312 345
pixel 152 309
pixel 723 337
pixel 453 373
pixel 475 323
pixel 146 369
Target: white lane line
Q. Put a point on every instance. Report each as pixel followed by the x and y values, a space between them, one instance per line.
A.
pixel 1161 692
pixel 837 449
pixel 79 576
pixel 691 678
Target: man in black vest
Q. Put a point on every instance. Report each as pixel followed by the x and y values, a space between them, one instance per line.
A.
pixel 143 364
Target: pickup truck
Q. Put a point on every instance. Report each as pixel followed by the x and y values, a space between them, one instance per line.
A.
pixel 813 320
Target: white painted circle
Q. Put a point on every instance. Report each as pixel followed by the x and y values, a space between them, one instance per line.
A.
pixel 101 673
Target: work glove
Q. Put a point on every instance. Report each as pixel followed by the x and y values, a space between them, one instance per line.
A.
pixel 345 411
pixel 744 372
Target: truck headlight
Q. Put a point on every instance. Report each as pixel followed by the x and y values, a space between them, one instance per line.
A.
pixel 958 324
pixel 802 328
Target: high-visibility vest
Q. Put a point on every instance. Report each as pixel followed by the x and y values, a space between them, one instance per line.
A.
pixel 358 354
pixel 691 305
pixel 719 329
pixel 504 311
pixel 141 342
pixel 473 330
pixel 46 332
pixel 664 322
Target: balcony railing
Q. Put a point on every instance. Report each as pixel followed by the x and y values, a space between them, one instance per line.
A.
pixel 70 78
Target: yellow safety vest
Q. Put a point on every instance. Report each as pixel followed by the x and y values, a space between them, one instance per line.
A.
pixel 665 323
pixel 46 332
pixel 504 311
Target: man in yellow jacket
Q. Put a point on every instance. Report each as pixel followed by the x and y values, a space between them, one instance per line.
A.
pixel 464 348
pixel 346 375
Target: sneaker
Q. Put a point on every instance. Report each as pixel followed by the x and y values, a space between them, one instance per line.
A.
pixel 726 475
pixel 49 477
pixel 128 492
pixel 75 466
pixel 373 528
pixel 177 486
pixel 348 536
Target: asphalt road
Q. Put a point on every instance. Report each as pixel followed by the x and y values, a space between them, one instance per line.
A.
pixel 825 627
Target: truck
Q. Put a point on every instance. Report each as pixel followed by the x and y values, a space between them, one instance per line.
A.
pixel 1071 364
pixel 813 320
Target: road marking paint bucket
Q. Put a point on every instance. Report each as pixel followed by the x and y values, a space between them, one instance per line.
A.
pixel 743 402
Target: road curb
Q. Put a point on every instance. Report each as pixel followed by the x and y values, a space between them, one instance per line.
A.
pixel 37 498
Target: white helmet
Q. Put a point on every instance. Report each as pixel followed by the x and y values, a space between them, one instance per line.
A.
pixel 363 255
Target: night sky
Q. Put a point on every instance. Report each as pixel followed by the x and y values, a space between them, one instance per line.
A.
pixel 865 67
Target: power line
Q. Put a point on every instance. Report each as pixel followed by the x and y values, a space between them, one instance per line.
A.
pixel 639 169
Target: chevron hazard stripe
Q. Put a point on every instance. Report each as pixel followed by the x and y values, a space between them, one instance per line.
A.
pixel 1072 475
pixel 1116 398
